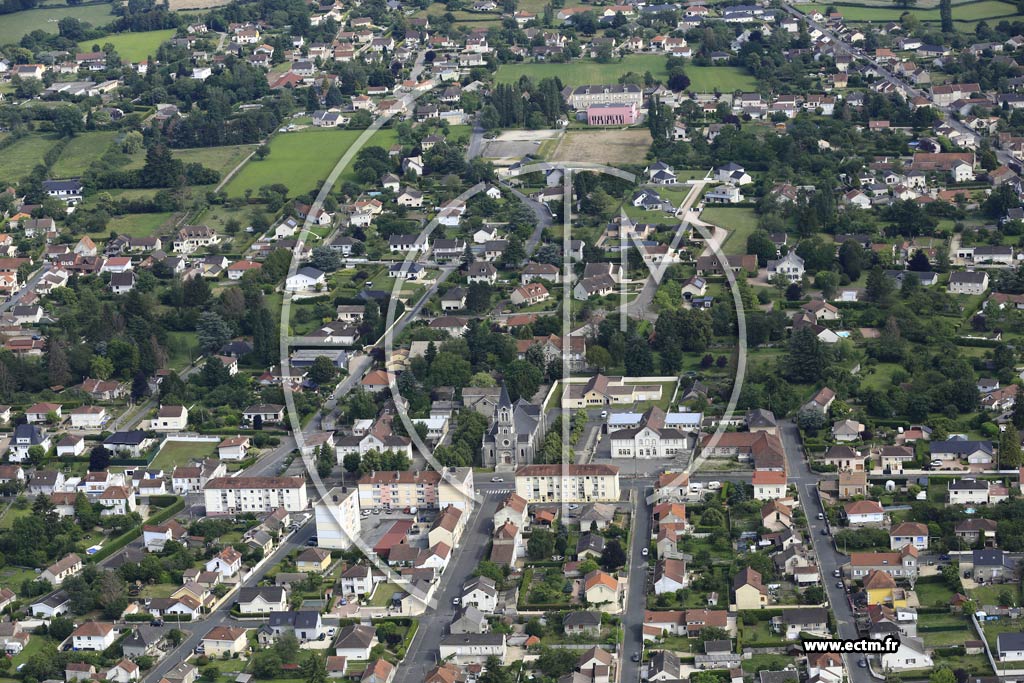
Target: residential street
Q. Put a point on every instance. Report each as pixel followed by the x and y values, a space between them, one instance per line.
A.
pixel 422 653
pixel 636 591
pixel 829 559
pixel 222 615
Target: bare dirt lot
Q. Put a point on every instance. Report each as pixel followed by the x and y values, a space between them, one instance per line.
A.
pixel 604 146
pixel 513 145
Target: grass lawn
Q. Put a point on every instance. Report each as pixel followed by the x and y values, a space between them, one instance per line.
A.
pixel 34 646
pixel 182 348
pixel 766 663
pixel 81 151
pixel 382 596
pixel 302 159
pixel 132 47
pixel 932 593
pixel 158 590
pixel 12 513
pixel 221 159
pixel 16 25
pixel 136 224
pixel 739 222
pixel 878 376
pixel 25 154
pixel 585 72
pixel 720 78
pixel 989 594
pixel 183 452
pixel 944 630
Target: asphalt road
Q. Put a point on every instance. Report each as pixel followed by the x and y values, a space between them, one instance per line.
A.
pixel 26 288
pixel 636 590
pixel 423 652
pixel 829 559
pixel 222 616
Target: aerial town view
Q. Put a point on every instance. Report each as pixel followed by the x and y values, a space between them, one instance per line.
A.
pixel 511 341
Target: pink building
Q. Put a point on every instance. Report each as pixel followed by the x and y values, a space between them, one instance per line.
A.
pixel 611 114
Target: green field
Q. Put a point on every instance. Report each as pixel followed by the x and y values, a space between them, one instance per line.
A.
pixel 739 222
pixel 300 160
pixel 962 13
pixel 176 453
pixel 14 26
pixel 24 155
pixel 136 224
pixel 81 151
pixel 132 47
pixel 221 159
pixel 585 72
pixel 720 78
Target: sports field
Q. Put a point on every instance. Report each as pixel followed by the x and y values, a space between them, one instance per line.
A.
pixel 301 159
pixel 81 151
pixel 585 72
pixel 132 47
pixel 14 26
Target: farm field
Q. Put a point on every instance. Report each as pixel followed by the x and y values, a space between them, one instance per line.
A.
pixel 300 160
pixel 965 12
pixel 132 47
pixel 721 78
pixel 176 453
pixel 585 72
pixel 739 222
pixel 17 24
pixel 604 146
pixel 81 151
pixel 21 157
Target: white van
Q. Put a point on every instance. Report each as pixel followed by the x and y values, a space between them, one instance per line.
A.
pixel 715 485
pixel 696 487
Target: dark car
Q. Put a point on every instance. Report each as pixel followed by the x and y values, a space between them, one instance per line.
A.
pixel 824 532
pixel 635 657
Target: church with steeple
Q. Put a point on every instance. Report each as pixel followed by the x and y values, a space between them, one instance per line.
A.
pixel 516 432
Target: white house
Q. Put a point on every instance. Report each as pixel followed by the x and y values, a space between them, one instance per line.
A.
pixel 481 592
pixel 262 599
pixel 910 655
pixel 93 635
pixel 306 279
pixel 233 448
pixel 88 417
pixel 227 562
pixel 670 576
pixel 789 266
pixel 170 419
pixel 473 648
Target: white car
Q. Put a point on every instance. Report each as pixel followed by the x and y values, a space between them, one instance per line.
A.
pixel 497 479
pixel 574 506
pixel 714 485
pixel 645 552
